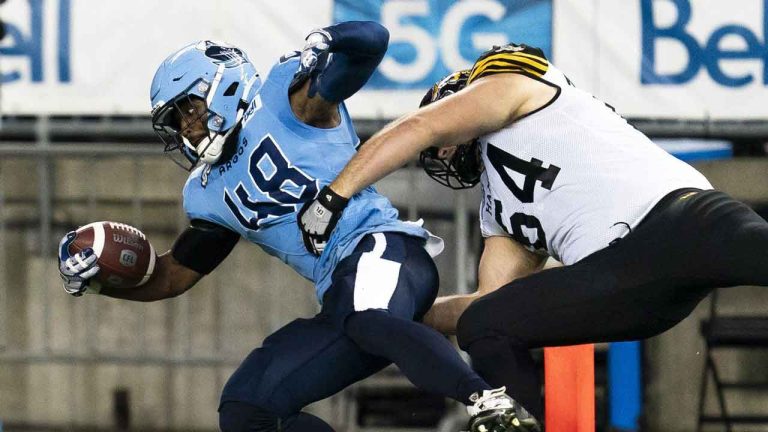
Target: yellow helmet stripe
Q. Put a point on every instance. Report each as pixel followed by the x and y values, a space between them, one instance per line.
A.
pixel 522 62
pixel 497 70
pixel 540 59
pixel 533 60
pixel 513 62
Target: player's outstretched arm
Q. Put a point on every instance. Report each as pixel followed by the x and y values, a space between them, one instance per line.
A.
pixel 486 105
pixel 195 253
pixel 503 261
pixel 78 271
pixel 170 279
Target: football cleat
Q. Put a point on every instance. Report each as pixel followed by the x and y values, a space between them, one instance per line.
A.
pixel 494 411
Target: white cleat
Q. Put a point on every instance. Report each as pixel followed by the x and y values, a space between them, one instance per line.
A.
pixel 494 411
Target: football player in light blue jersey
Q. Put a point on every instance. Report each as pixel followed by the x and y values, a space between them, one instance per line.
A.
pixel 257 152
pixel 282 162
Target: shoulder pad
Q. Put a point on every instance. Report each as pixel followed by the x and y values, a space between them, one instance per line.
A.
pixel 511 58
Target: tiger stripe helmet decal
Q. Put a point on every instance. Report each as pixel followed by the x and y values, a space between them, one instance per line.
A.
pixel 445 87
pixel 510 58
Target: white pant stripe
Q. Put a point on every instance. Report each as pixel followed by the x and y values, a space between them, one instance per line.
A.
pixel 376 278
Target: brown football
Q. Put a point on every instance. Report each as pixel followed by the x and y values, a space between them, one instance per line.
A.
pixel 125 256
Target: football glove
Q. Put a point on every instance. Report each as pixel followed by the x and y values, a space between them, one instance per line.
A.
pixel 313 59
pixel 319 217
pixel 77 270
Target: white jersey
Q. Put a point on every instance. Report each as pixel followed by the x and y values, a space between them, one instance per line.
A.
pixel 570 178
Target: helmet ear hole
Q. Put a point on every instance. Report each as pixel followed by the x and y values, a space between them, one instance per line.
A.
pixel 232 89
pixel 467 163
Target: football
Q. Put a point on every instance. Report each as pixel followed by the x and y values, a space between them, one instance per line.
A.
pixel 125 256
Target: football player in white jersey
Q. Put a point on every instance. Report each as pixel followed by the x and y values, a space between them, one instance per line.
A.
pixel 642 235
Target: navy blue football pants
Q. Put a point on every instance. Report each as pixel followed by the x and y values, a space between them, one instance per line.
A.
pixel 368 321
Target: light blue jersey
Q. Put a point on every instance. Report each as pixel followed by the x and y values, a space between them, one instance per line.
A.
pixel 280 164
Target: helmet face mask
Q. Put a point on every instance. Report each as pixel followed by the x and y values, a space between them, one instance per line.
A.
pixel 462 169
pixel 205 86
pixel 179 120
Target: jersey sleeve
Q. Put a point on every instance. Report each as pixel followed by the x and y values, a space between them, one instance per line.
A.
pixel 488 225
pixel 347 120
pixel 203 246
pixel 519 59
pixel 285 67
pixel 193 198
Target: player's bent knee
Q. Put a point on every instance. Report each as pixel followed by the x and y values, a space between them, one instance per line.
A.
pixel 473 324
pixel 244 417
pixel 365 327
pixel 486 318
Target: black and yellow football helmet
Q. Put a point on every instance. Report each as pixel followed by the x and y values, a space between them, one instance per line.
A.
pixel 462 170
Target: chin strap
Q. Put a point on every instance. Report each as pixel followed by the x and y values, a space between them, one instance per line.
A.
pixel 214 150
pixel 216 141
pixel 211 154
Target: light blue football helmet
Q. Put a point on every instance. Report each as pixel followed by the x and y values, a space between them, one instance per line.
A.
pixel 218 74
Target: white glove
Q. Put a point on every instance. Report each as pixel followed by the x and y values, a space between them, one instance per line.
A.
pixel 314 56
pixel 318 43
pixel 77 270
pixel 318 218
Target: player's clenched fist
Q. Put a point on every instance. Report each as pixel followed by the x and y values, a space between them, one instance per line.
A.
pixel 313 59
pixel 319 217
pixel 76 270
pixel 105 256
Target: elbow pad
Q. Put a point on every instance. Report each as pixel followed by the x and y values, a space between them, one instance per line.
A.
pixel 358 47
pixel 203 246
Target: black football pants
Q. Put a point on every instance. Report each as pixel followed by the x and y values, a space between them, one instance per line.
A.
pixel 692 242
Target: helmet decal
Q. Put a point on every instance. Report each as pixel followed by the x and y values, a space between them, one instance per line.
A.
pixel 446 87
pixel 229 56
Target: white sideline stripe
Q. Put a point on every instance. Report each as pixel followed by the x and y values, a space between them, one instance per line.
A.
pixel 150 268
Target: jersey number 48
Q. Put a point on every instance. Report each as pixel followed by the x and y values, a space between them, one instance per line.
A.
pixel 285 185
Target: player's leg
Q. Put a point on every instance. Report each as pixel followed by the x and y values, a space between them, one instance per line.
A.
pixel 552 308
pixel 734 240
pixel 241 416
pixel 305 361
pixel 638 287
pixel 378 294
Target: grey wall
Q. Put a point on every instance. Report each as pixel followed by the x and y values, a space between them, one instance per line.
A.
pixel 63 357
pixel 676 358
